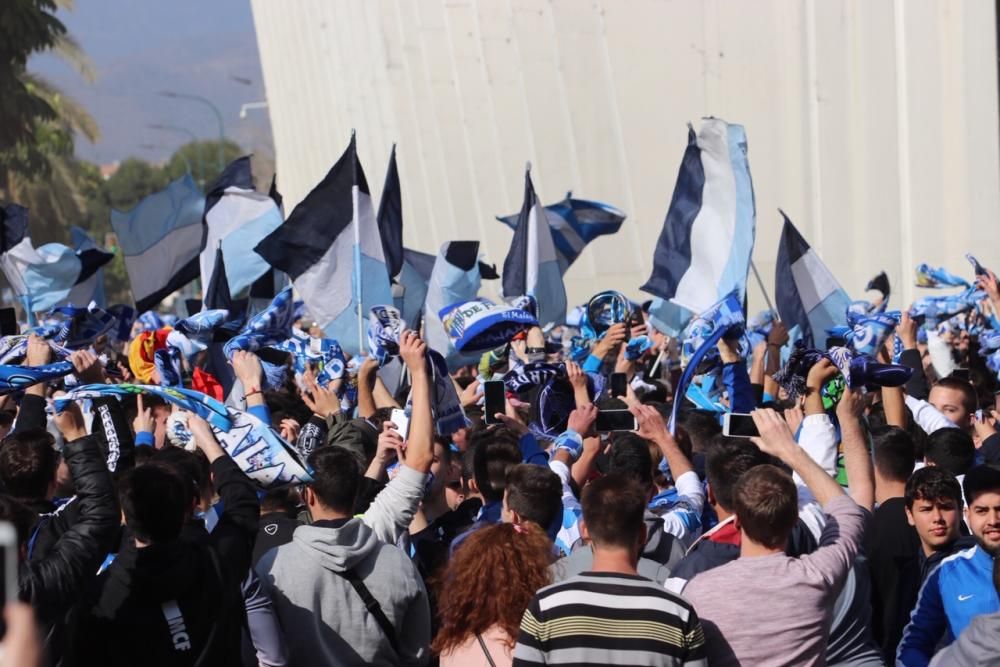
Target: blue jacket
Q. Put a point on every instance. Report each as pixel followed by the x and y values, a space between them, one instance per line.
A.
pixel 960 588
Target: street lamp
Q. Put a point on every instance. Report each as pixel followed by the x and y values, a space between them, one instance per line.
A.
pixel 218 117
pixel 246 106
pixel 194 140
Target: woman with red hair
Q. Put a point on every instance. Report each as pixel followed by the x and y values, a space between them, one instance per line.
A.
pixel 484 591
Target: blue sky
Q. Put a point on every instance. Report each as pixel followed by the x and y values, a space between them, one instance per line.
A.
pixel 141 48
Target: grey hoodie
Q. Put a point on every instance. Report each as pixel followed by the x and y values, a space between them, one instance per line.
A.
pixel 324 619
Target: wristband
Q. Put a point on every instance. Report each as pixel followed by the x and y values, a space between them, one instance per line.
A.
pixel 248 394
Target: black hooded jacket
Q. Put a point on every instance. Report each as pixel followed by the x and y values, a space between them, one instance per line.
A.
pixel 177 603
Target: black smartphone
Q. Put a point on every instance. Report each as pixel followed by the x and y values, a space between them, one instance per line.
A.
pixel 835 341
pixel 619 384
pixel 736 425
pixel 8 561
pixel 615 420
pixel 8 322
pixel 495 401
pixel 960 374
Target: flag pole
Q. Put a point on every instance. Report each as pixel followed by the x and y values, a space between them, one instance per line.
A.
pixel 760 283
pixel 357 252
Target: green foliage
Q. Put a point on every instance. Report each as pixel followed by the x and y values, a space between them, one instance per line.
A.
pixel 201 158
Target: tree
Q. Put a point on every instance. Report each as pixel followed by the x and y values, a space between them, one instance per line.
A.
pixel 201 159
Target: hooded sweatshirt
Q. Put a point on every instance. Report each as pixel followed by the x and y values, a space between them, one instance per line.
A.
pixel 324 618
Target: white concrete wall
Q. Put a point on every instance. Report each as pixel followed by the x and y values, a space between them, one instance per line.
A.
pixel 872 123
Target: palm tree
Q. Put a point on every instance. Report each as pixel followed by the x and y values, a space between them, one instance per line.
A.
pixel 57 189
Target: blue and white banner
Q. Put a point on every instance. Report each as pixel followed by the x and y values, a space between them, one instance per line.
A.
pixel 703 253
pixel 574 223
pixel 805 292
pixel 531 266
pixel 238 217
pixel 330 247
pixel 46 277
pixel 161 238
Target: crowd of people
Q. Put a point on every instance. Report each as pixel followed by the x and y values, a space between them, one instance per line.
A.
pixel 860 525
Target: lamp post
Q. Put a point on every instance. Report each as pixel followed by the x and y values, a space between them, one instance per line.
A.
pixel 194 140
pixel 218 117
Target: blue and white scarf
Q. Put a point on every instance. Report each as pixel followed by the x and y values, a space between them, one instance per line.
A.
pixel 268 328
pixel 481 325
pixel 531 375
pixel 150 321
pixel 168 365
pixel 322 354
pixel 937 278
pixel 260 452
pixel 16 378
pixel 385 326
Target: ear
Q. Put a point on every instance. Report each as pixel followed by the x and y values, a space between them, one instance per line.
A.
pixel 642 538
pixel 736 523
pixel 909 516
pixel 711 496
pixel 584 533
pixel 308 497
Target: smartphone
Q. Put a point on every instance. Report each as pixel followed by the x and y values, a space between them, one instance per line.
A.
pixel 961 374
pixel 835 341
pixel 8 322
pixel 495 400
pixel 736 425
pixel 615 420
pixel 402 422
pixel 619 384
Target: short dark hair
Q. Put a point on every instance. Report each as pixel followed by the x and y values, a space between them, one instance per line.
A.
pixel 535 493
pixel 969 399
pixel 932 483
pixel 766 504
pixel 983 478
pixel 726 461
pixel 613 510
pixel 630 458
pixel 286 501
pixel 192 466
pixel 701 427
pixel 336 477
pixel 28 462
pixel 893 453
pixel 155 499
pixel 495 453
pixel 379 417
pixel 952 449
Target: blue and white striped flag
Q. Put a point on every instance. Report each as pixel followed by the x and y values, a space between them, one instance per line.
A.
pixel 44 277
pixel 161 238
pixel 531 267
pixel 574 224
pixel 805 292
pixel 703 253
pixel 330 247
pixel 238 217
pixel 455 279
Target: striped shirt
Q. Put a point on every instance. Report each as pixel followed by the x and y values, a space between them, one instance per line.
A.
pixel 609 619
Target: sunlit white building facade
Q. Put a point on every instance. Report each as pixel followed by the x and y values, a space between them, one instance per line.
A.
pixel 872 123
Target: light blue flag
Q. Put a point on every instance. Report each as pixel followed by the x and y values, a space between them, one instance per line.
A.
pixel 238 217
pixel 703 253
pixel 531 267
pixel 161 238
pixel 455 279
